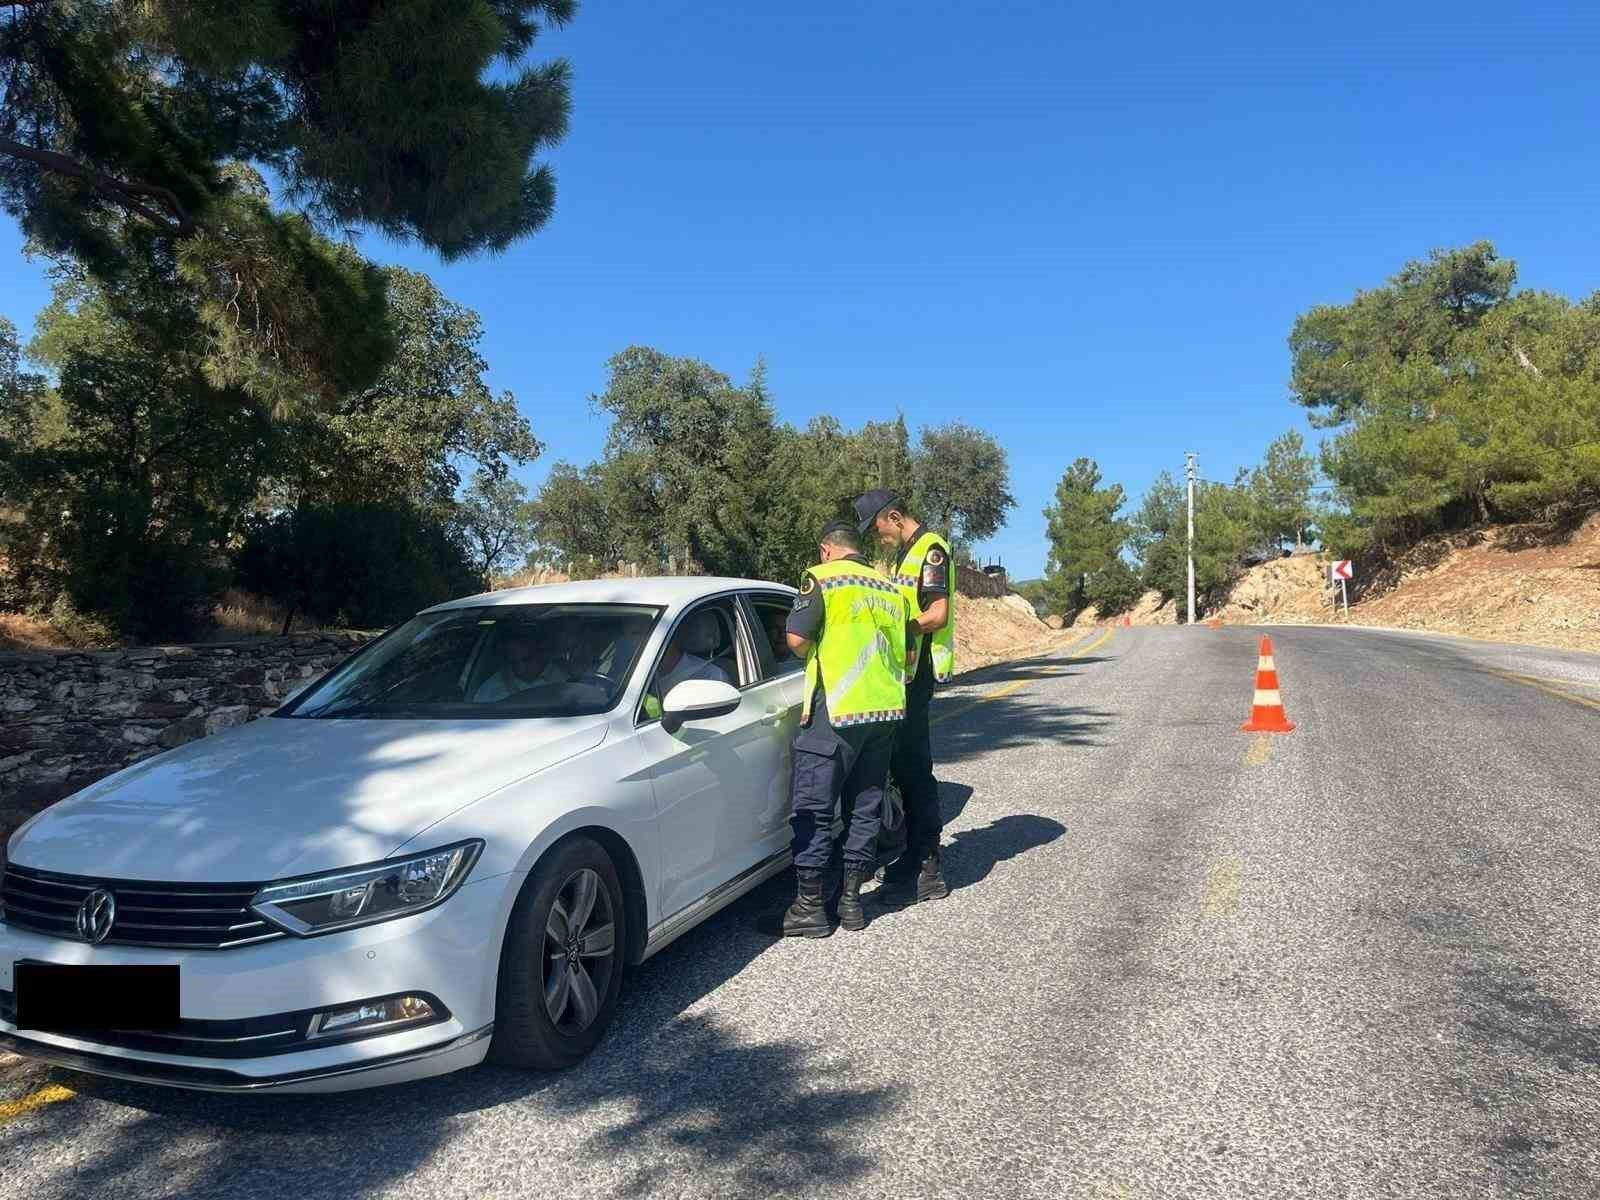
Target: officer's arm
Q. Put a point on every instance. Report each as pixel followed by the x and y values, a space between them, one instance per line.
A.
pixel 935 615
pixel 933 592
pixel 804 625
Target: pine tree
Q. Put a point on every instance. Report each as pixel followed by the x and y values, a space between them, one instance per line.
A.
pixel 121 123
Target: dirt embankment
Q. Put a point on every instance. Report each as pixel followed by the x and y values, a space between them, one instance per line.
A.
pixel 1151 610
pixel 990 631
pixel 1509 583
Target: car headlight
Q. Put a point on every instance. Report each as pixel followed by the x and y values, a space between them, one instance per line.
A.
pixel 365 895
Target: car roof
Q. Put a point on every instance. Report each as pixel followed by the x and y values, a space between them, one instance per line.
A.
pixel 667 591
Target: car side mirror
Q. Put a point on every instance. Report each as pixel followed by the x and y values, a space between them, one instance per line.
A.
pixel 697 700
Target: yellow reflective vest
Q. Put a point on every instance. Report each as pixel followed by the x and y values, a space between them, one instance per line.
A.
pixel 908 577
pixel 860 659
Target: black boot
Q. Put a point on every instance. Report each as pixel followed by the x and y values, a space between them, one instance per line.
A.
pixel 930 880
pixel 851 914
pixel 906 883
pixel 806 916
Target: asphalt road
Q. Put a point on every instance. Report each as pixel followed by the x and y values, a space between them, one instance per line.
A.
pixel 1357 960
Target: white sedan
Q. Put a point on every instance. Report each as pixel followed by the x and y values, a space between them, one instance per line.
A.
pixel 450 847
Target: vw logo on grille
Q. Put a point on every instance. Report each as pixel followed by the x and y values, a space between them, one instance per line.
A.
pixel 95 915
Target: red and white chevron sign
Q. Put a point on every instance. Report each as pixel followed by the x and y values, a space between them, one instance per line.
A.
pixel 1343 570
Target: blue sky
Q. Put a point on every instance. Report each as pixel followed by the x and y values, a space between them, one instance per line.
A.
pixel 1085 228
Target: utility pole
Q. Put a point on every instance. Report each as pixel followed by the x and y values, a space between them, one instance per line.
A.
pixel 1188 471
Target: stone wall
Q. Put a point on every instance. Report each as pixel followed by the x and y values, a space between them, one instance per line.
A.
pixel 68 718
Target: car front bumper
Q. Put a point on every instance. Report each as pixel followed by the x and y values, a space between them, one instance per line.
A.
pixel 451 953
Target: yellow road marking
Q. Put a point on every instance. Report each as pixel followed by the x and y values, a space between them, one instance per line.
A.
pixel 1260 750
pixel 1545 686
pixel 10 1110
pixel 1018 684
pixel 1566 683
pixel 1222 890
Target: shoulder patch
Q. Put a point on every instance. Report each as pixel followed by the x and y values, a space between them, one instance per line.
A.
pixel 807 586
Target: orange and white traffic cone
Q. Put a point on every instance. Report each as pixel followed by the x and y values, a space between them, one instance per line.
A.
pixel 1267 715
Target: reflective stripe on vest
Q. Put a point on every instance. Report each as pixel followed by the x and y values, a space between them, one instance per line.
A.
pixel 908 577
pixel 860 660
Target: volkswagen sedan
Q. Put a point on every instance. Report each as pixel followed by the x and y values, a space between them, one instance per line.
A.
pixel 450 847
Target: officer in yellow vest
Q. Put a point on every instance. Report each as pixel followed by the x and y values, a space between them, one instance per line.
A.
pixel 925 573
pixel 853 627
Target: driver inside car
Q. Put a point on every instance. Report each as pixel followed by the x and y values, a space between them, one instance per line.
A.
pixel 527 665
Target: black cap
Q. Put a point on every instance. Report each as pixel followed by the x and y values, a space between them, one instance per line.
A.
pixel 870 505
pixel 839 527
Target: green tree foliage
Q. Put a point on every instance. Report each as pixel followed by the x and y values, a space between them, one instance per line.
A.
pixel 571 529
pixel 134 474
pixel 26 417
pixel 962 482
pixel 127 511
pixel 1086 536
pixel 359 565
pixel 694 449
pixel 495 522
pixel 698 475
pixel 1158 537
pixel 386 116
pixel 1226 524
pixel 1456 399
pixel 1280 490
pixel 428 413
pixel 816 474
pixel 1114 589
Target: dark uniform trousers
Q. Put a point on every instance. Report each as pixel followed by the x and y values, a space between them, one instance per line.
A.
pixel 848 766
pixel 912 764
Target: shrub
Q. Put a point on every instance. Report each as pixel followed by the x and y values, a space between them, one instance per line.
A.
pixel 359 565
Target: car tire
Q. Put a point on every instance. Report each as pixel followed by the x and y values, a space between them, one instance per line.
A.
pixel 547 1014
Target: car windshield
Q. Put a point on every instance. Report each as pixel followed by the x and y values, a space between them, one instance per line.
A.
pixel 494 661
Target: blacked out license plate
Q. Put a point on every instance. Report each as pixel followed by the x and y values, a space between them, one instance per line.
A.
pixel 54 998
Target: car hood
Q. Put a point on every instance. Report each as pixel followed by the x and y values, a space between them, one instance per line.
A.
pixel 287 796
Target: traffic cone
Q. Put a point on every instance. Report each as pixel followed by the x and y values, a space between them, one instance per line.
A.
pixel 1267 714
pixel 1127 622
pixel 1214 623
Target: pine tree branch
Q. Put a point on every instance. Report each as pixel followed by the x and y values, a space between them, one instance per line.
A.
pixel 175 221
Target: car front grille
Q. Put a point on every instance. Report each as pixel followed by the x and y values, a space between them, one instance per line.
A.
pixel 181 916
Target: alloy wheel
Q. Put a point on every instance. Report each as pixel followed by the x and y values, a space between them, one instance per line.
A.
pixel 580 949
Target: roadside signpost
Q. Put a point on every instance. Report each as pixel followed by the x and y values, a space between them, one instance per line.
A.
pixel 1343 571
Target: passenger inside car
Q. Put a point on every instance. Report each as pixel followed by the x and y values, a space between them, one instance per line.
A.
pixel 701 648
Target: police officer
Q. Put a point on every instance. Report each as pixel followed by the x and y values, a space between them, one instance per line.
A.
pixel 852 625
pixel 924 572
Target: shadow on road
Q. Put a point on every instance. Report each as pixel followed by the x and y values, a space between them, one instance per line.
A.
pixel 1008 721
pixel 756 1116
pixel 1033 668
pixel 700 1102
pixel 971 854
